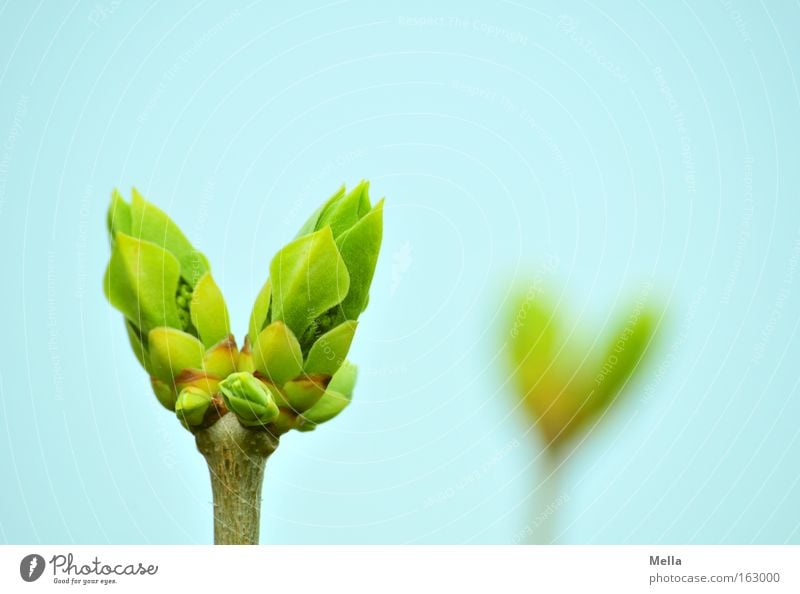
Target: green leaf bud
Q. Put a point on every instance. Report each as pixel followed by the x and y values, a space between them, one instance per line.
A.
pixel 192 405
pixel 564 385
pixel 249 399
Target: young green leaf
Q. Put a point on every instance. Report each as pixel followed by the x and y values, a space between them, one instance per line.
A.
pixel 137 342
pixel 260 314
pixel 119 215
pixel 150 223
pixel 208 311
pixel 277 353
pixel 343 213
pixel 308 277
pixel 222 359
pixel 625 351
pixel 312 224
pixel 359 246
pixel 328 406
pixel 330 350
pixel 172 351
pixel 303 392
pixel 140 281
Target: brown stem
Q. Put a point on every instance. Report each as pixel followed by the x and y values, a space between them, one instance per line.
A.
pixel 236 457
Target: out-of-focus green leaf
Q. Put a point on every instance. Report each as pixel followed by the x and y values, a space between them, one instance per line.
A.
pixel 533 334
pixel 623 355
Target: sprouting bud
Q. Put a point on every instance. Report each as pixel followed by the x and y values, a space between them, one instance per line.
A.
pixel 565 384
pixel 250 399
pixel 322 278
pixel 173 309
pixel 291 372
pixel 192 406
pixel 156 277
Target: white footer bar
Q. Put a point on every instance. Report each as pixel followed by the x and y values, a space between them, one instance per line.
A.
pixel 402 569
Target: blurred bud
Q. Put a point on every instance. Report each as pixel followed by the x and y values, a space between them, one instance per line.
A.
pixel 250 399
pixel 566 384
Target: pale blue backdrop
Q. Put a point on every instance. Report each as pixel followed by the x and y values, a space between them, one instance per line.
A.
pixel 607 148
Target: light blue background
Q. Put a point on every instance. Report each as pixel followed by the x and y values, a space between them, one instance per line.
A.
pixel 633 144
